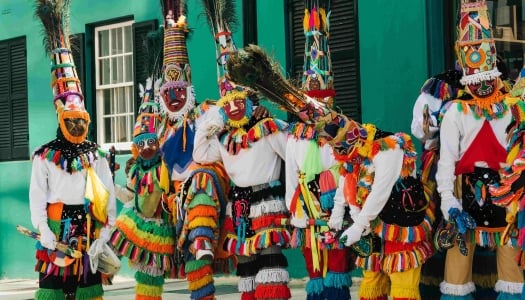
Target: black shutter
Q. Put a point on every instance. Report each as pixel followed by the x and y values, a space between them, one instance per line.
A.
pixel 14 129
pixel 77 49
pixel 249 11
pixel 5 104
pixel 140 32
pixel 344 49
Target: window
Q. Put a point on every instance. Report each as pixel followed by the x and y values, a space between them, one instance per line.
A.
pixel 114 84
pixel 344 51
pixel 508 27
pixel 14 126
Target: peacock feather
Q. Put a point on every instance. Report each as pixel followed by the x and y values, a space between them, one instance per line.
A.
pixel 54 15
pixel 220 15
pixel 253 68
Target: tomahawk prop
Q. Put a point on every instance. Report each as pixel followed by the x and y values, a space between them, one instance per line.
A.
pixel 63 256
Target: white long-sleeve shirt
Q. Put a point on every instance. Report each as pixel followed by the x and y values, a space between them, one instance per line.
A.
pixel 386 166
pixel 428 138
pixel 50 184
pixel 296 154
pixel 256 165
pixel 458 130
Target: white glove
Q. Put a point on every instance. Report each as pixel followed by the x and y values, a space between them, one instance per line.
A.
pixel 354 211
pixel 213 124
pixel 47 237
pixel 353 234
pixel 94 252
pixel 105 234
pixel 448 201
pixel 336 218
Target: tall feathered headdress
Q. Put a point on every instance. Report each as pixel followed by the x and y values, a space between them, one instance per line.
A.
pixel 177 91
pixel 475 46
pixel 253 68
pixel 67 93
pixel 149 117
pixel 318 77
pixel 221 19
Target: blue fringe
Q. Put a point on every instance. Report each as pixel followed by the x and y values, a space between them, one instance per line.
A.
pixel 452 297
pixel 206 290
pixel 337 293
pixel 327 200
pixel 508 296
pixel 200 231
pixel 337 280
pixel 314 286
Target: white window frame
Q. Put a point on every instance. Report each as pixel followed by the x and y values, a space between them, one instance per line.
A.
pixel 128 111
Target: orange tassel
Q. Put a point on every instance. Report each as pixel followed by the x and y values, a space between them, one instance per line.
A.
pixel 350 188
pixel 202 211
pixel 198 274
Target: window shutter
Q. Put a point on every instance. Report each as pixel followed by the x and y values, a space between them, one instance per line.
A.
pixel 14 130
pixel 140 32
pixel 344 50
pixel 249 21
pixel 5 104
pixel 77 49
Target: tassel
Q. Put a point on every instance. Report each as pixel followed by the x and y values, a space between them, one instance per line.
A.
pixel 311 20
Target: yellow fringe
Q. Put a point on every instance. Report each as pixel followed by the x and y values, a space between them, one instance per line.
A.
pixel 202 221
pixel 401 292
pixel 373 292
pixel 197 284
pixel 127 225
pixel 148 290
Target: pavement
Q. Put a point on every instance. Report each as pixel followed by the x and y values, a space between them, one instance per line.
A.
pixel 123 288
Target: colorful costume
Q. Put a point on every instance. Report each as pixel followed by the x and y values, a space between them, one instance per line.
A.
pixel 252 153
pixel 472 136
pixel 510 191
pixel 145 232
pixel 71 192
pixel 378 184
pixel 197 193
pixel 312 172
pixel 436 93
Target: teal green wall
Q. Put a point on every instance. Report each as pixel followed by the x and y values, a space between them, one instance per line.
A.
pixel 393 49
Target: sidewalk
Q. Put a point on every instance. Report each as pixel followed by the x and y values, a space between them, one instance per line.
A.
pixel 123 289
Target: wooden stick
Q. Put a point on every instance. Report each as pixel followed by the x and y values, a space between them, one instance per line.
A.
pixel 58 245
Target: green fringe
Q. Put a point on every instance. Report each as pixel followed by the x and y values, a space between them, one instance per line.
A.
pixel 196 265
pixel 90 292
pixel 49 294
pixel 164 230
pixel 147 279
pixel 201 199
